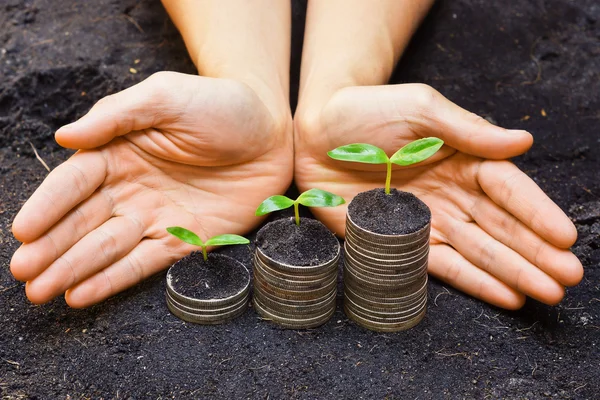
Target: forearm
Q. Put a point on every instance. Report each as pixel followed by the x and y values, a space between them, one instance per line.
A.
pixel 238 39
pixel 354 43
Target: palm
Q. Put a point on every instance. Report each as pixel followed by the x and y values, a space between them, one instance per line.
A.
pixel 207 199
pixel 203 157
pixel 494 235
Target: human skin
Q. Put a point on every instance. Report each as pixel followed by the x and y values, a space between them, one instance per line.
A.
pixel 195 151
pixel 157 156
pixel 495 235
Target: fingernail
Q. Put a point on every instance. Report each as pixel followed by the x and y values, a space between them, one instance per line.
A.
pixel 67 127
pixel 519 132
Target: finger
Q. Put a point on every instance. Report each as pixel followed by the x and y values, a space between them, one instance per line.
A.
pixel 472 134
pixel 146 259
pixel 63 189
pixel 428 113
pixel 31 259
pixel 518 194
pixel 560 264
pixel 95 252
pixel 448 265
pixel 136 108
pixel 490 255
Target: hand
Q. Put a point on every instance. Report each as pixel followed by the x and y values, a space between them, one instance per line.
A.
pixel 494 235
pixel 176 149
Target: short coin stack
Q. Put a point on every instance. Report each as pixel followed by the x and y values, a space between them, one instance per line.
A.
pixel 207 311
pixel 385 278
pixel 295 297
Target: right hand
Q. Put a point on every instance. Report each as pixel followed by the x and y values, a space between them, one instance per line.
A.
pixel 176 149
pixel 494 233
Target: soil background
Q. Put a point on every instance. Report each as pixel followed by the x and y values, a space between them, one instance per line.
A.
pixel 529 64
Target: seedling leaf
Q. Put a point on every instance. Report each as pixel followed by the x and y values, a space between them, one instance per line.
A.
pixel 359 152
pixel 274 203
pixel 227 239
pixel 185 235
pixel 417 151
pixel 319 198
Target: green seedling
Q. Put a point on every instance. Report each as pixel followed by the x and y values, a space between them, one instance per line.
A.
pixel 310 198
pixel 191 238
pixel 412 153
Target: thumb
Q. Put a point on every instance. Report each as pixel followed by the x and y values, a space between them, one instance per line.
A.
pixel 472 134
pixel 132 109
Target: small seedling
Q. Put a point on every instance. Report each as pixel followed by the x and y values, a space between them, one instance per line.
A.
pixel 191 238
pixel 310 198
pixel 412 153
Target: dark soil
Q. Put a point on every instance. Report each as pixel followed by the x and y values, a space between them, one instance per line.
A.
pixel 306 245
pixel 506 61
pixel 397 213
pixel 219 277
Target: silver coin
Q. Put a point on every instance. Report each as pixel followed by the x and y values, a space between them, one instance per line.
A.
pixel 377 238
pixel 399 255
pixel 385 273
pixel 379 277
pixel 391 315
pixel 376 294
pixel 383 285
pixel 295 276
pixel 211 310
pixel 293 323
pixel 302 270
pixel 296 302
pixel 382 291
pixel 399 271
pixel 289 294
pixel 284 283
pixel 207 303
pixel 384 319
pixel 294 311
pixel 298 308
pixel 384 297
pixel 378 306
pixel 385 248
pixel 199 318
pixel 292 287
pixel 380 236
pixel 289 283
pixel 383 302
pixel 401 246
pixel 384 327
pixel 379 263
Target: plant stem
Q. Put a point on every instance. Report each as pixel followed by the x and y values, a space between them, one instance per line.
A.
pixel 204 253
pixel 297 213
pixel 388 179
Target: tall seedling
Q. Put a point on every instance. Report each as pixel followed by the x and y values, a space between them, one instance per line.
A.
pixel 412 153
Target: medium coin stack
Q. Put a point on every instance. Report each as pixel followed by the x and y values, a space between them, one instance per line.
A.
pixel 207 311
pixel 385 278
pixel 295 297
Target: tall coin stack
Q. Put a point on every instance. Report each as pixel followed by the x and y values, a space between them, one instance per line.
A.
pixel 295 297
pixel 385 278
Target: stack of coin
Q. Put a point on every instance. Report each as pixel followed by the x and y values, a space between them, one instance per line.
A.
pixel 295 297
pixel 385 278
pixel 208 311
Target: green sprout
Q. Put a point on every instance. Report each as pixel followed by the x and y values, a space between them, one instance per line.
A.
pixel 412 153
pixel 191 238
pixel 310 198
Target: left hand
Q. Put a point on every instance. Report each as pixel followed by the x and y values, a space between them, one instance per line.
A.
pixel 494 235
pixel 175 149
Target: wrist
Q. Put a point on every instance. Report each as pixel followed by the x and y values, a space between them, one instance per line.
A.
pixel 321 82
pixel 314 98
pixel 269 89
